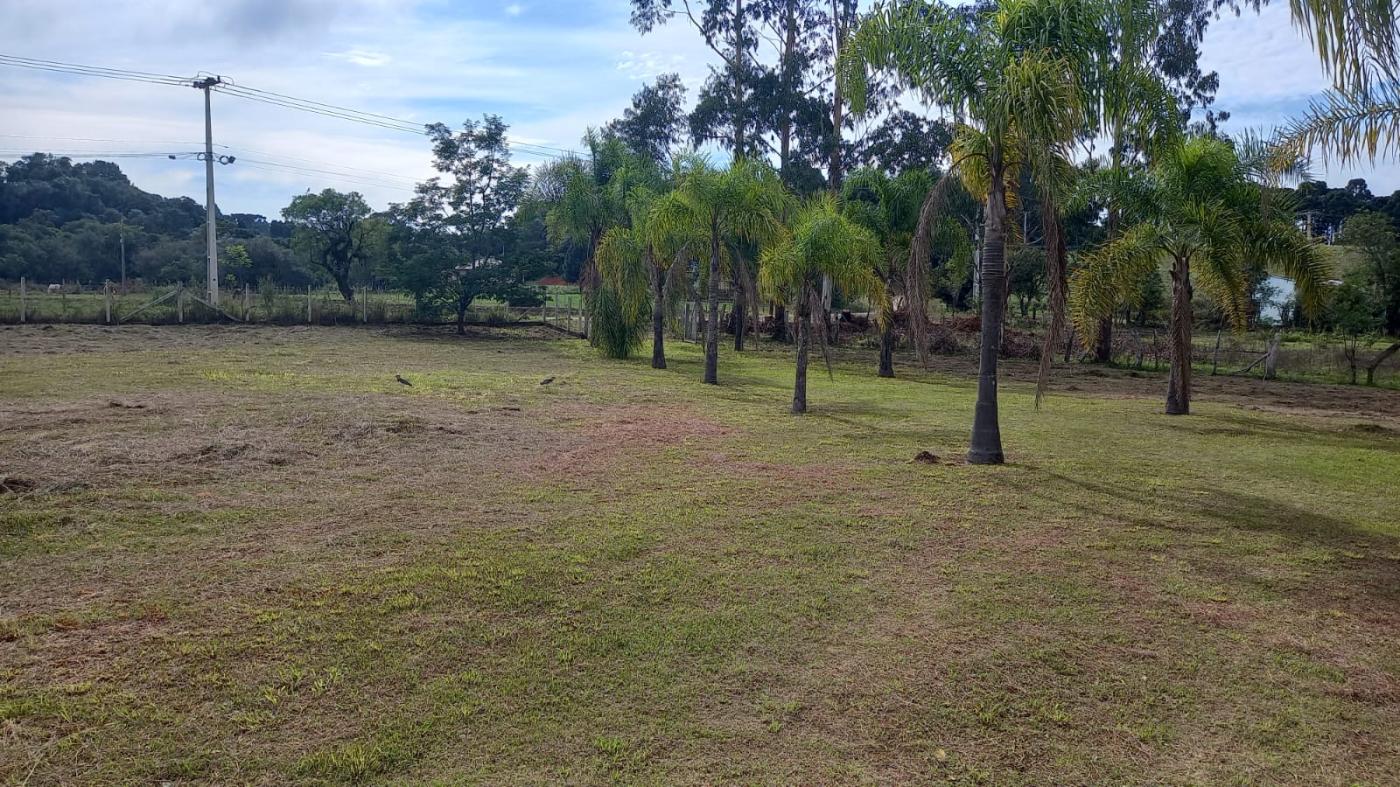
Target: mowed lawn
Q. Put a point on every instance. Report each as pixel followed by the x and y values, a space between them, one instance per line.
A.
pixel 248 555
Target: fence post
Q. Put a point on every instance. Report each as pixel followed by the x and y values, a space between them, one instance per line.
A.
pixel 245 302
pixel 364 308
pixel 308 304
pixel 22 285
pixel 180 303
pixel 107 300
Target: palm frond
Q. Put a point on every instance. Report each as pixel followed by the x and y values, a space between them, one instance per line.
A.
pixel 1348 125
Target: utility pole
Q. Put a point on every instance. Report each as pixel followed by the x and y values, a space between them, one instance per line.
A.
pixel 212 253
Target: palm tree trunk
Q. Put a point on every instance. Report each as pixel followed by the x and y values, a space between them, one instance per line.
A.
pixel 780 332
pixel 986 429
pixel 658 320
pixel 1103 351
pixel 804 331
pixel 1179 380
pixel 740 302
pixel 887 350
pixel 712 321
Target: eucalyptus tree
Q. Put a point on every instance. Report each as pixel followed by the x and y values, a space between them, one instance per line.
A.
pixel 743 203
pixel 654 124
pixel 1197 211
pixel 823 244
pixel 1014 74
pixel 728 28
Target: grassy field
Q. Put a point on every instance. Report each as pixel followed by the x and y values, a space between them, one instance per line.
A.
pixel 248 555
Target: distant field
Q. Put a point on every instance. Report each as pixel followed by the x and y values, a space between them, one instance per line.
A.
pixel 248 555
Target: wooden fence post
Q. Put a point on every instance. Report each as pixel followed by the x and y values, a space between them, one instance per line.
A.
pixel 180 303
pixel 107 300
pixel 246 313
pixel 22 285
pixel 308 304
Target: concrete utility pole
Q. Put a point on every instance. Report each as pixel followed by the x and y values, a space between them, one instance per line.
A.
pixel 212 253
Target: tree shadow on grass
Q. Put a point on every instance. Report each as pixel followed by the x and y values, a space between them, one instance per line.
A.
pixel 1352 435
pixel 1366 573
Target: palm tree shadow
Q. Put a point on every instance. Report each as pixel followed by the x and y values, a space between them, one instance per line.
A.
pixel 1353 435
pixel 1190 513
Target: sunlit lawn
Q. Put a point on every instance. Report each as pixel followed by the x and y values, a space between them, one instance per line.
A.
pixel 249 555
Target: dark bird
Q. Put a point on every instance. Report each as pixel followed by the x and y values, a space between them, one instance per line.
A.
pixel 546 381
pixel 402 381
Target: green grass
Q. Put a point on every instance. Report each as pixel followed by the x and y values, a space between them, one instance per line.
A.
pixel 252 556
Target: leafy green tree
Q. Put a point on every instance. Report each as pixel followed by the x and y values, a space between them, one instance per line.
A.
pixel 1026 266
pixel 330 231
pixel 741 204
pixel 237 264
pixel 822 244
pixel 1198 211
pixel 1374 236
pixel 456 241
pixel 1015 73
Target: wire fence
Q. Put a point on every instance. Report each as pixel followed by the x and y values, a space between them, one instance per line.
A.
pixel 109 304
pixel 1298 356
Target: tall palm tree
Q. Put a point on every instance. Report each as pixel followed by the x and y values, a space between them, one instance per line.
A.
pixel 1358 42
pixel 1197 211
pixel 592 197
pixel 739 204
pixel 822 244
pixel 1137 114
pixel 641 260
pixel 1014 75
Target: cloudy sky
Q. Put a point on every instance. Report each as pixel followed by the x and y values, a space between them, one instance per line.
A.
pixel 550 69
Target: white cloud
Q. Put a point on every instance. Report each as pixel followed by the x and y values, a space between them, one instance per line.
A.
pixel 514 9
pixel 362 57
pixel 421 60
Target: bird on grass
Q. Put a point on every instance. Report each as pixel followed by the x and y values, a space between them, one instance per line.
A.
pixel 546 381
pixel 402 381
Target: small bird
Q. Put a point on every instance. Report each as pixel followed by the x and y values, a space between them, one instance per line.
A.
pixel 546 381
pixel 402 381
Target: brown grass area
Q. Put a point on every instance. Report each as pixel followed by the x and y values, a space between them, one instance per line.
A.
pixel 249 556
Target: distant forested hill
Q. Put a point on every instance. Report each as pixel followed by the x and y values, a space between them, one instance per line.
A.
pixel 66 221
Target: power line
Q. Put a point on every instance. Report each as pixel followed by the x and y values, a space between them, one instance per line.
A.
pixel 348 176
pixel 272 98
pixel 95 71
pixel 102 155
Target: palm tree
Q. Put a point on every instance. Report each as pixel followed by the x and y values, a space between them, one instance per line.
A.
pixel 890 209
pixel 1135 112
pixel 724 206
pixel 823 243
pixel 591 197
pixel 640 261
pixel 1014 75
pixel 1198 211
pixel 1358 42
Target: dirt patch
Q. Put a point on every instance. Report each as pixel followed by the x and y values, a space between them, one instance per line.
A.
pixel 601 436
